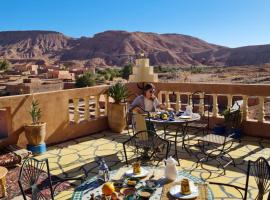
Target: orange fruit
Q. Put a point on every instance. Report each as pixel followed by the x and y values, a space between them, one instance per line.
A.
pixel 108 188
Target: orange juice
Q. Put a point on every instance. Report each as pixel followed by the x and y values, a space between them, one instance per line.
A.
pixel 136 168
pixel 185 189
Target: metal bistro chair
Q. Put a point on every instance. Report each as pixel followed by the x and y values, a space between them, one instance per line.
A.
pixel 137 121
pixel 130 123
pixel 147 145
pixel 195 99
pixel 216 147
pixel 35 178
pixel 259 170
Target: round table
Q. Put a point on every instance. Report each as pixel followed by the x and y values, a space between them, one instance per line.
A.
pixel 3 173
pixel 181 130
pixel 93 185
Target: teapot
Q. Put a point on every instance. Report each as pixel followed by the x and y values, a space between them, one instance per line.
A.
pixel 170 169
pixel 188 111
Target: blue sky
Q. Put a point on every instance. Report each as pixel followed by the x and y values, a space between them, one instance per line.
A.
pixel 231 23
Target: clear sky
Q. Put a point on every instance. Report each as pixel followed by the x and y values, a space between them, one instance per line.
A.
pixel 231 23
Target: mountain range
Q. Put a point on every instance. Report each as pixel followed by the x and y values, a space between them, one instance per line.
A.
pixel 115 48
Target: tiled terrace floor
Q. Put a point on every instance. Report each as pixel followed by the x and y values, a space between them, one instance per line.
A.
pixel 77 158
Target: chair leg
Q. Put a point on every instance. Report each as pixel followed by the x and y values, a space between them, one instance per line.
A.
pixel 232 160
pixel 125 153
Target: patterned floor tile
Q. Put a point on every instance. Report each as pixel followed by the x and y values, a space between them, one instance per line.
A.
pixel 78 158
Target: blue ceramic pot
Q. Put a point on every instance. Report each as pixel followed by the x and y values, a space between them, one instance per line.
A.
pixel 219 129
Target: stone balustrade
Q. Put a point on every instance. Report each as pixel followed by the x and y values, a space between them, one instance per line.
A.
pixel 78 112
pixel 253 101
pixel 68 114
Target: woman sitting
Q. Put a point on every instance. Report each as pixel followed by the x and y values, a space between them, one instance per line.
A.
pixel 148 101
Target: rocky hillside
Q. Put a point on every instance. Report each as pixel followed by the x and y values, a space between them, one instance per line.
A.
pixel 114 48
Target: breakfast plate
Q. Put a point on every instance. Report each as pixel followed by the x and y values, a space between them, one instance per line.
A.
pixel 175 191
pixel 185 117
pixel 143 173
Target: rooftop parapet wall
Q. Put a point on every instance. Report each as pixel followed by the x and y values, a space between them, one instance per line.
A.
pixel 176 95
pixel 68 115
pixel 65 113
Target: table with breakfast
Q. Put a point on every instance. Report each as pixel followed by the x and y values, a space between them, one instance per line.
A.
pixel 144 182
pixel 179 120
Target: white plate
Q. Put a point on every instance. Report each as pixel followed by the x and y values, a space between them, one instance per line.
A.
pixel 175 191
pixel 143 173
pixel 185 117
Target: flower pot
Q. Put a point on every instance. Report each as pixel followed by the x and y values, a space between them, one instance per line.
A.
pixel 35 133
pixel 117 116
pixel 219 129
pixel 236 133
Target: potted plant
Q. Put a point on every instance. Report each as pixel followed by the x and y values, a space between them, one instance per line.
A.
pixel 117 109
pixel 236 130
pixel 36 131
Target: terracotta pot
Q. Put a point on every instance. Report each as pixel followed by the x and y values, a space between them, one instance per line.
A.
pixel 117 116
pixel 35 133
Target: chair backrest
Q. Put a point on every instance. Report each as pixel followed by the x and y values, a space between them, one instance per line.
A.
pixel 201 97
pixel 138 121
pixel 232 121
pixel 260 171
pixel 33 174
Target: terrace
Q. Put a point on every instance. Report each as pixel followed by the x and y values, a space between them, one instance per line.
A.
pixel 78 132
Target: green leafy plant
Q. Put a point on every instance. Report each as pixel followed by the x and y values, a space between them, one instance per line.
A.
pixel 196 69
pixel 126 71
pixel 226 114
pixel 85 80
pixel 4 65
pixel 118 92
pixel 35 111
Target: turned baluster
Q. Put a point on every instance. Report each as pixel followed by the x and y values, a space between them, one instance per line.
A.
pixel 229 98
pixel 201 103
pixel 76 110
pixel 86 108
pixel 167 99
pixel 215 105
pixel 189 98
pixel 261 109
pixel 106 96
pixel 160 96
pixel 245 107
pixel 97 108
pixel 178 101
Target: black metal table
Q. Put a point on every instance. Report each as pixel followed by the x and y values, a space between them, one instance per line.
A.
pixel 180 131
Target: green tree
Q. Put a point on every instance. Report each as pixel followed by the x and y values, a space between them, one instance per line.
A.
pixel 126 71
pixel 85 80
pixel 4 65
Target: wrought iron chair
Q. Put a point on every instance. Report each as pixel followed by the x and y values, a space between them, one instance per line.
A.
pixel 130 124
pixel 147 145
pixel 260 171
pixel 35 178
pixel 216 147
pixel 137 122
pixel 195 99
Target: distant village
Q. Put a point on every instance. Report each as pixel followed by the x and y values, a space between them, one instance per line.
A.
pixel 26 79
pixel 17 79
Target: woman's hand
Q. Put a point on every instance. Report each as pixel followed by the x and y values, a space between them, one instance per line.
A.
pixel 161 107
